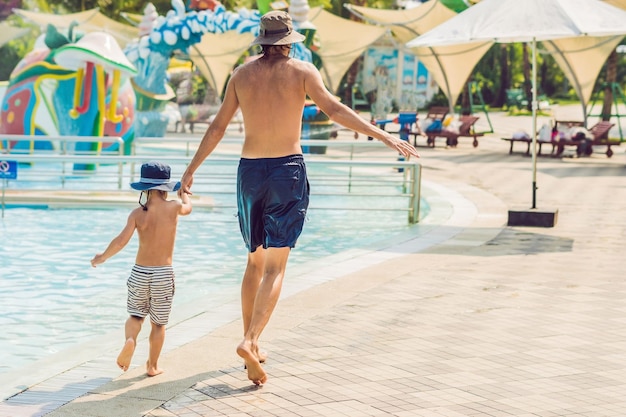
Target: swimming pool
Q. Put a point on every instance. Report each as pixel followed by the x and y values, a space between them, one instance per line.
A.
pixel 53 299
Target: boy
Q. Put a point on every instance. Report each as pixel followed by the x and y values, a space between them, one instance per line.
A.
pixel 151 281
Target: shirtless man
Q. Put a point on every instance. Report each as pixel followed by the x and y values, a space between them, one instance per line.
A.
pixel 272 187
pixel 151 281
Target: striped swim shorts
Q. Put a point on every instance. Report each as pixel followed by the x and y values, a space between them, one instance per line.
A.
pixel 150 292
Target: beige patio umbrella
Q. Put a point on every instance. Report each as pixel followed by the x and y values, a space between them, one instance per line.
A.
pixel 531 21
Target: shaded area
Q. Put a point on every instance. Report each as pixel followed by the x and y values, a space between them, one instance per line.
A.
pixel 509 242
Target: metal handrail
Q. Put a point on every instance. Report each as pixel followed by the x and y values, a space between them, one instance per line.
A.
pixel 76 138
pixel 195 140
pixel 63 150
pixel 411 177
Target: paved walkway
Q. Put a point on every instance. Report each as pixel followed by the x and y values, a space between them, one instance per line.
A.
pixel 465 317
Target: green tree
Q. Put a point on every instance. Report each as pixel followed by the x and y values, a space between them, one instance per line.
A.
pixel 610 80
pixel 505 79
pixel 12 52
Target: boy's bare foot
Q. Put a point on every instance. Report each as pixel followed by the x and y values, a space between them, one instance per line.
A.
pixel 125 356
pixel 153 370
pixel 256 374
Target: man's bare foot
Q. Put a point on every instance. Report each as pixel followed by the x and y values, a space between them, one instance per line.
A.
pixel 125 356
pixel 153 370
pixel 256 374
pixel 262 355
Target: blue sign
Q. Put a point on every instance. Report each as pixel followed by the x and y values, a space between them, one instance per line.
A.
pixel 8 170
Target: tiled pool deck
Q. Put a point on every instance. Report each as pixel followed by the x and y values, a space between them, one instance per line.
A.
pixel 465 317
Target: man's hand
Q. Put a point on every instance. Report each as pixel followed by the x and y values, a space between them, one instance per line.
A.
pixel 402 146
pixel 185 185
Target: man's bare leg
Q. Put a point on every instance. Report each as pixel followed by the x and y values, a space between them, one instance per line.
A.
pixel 264 303
pixel 249 288
pixel 131 331
pixel 157 338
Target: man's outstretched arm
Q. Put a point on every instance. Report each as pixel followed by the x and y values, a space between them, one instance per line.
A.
pixel 345 116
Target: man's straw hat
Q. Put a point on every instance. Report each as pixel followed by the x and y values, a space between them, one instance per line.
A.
pixel 277 29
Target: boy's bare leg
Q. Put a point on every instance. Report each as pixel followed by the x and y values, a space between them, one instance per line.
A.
pixel 249 288
pixel 131 331
pixel 264 303
pixel 157 338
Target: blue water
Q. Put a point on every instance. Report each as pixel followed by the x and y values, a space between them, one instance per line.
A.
pixel 53 299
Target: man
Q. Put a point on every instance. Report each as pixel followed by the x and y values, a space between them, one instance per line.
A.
pixel 272 187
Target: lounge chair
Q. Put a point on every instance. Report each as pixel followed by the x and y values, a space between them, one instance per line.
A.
pixel 466 129
pixel 542 138
pixel 437 113
pixel 600 136
pixel 528 142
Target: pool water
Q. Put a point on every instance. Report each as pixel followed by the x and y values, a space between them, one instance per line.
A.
pixel 53 299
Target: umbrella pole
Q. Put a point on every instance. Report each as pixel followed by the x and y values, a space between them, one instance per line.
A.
pixel 533 217
pixel 534 117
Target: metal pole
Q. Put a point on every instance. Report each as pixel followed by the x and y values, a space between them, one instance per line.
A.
pixel 414 208
pixel 4 183
pixel 534 113
pixel 120 165
pixel 63 152
pixel 350 170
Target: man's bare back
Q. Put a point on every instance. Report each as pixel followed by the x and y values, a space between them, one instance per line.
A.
pixel 270 92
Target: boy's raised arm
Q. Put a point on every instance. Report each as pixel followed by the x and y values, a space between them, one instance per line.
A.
pixel 118 242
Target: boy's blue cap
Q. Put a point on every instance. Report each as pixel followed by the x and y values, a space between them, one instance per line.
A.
pixel 155 176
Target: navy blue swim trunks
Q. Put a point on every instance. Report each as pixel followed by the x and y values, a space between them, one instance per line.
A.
pixel 272 200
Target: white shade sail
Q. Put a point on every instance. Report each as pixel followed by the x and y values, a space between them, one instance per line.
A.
pixel 9 32
pixel 582 58
pixel 88 21
pixel 217 53
pixel 450 66
pixel 342 41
